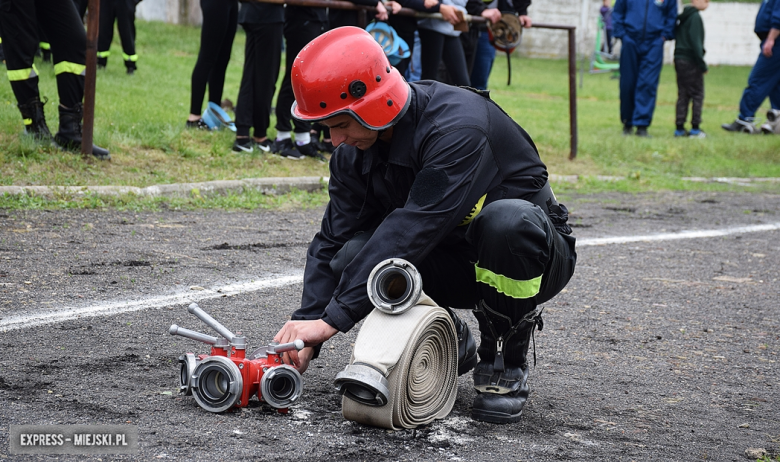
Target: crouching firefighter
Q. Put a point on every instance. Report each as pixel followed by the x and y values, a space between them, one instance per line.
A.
pixel 19 20
pixel 441 177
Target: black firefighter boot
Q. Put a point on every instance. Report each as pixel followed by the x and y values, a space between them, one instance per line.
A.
pixel 467 347
pixel 501 376
pixel 35 120
pixel 69 135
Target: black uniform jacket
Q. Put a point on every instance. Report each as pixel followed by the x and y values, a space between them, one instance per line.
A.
pixel 451 148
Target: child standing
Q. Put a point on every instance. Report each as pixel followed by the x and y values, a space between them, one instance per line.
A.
pixel 690 67
pixel 606 18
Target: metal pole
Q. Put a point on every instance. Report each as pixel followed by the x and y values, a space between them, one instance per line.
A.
pixel 362 18
pixel 93 22
pixel 572 94
pixel 572 83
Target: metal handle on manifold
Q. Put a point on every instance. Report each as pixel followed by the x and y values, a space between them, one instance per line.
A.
pixel 296 345
pixel 211 322
pixel 194 335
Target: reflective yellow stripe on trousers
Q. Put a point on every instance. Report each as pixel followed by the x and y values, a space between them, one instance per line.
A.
pixel 22 74
pixel 508 286
pixel 72 68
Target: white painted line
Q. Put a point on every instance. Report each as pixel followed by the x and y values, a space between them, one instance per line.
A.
pixel 119 307
pixel 296 277
pixel 692 234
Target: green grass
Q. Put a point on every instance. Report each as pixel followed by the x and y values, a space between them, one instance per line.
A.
pixel 141 119
pixel 538 100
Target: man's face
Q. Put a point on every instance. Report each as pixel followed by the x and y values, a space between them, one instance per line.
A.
pixel 700 5
pixel 345 129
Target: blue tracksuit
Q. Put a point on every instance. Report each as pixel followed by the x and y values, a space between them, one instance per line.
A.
pixel 764 79
pixel 642 26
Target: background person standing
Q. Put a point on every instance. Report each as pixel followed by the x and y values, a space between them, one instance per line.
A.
pixel 220 21
pixel 642 26
pixel 263 23
pixel 764 79
pixel 690 67
pixel 123 13
pixel 302 24
pixel 19 22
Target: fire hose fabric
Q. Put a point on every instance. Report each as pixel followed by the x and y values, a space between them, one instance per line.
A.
pixel 417 352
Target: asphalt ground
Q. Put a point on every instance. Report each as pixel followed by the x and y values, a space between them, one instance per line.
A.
pixel 664 346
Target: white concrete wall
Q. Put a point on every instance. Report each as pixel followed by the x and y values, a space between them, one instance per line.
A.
pixel 170 11
pixel 729 37
pixel 728 33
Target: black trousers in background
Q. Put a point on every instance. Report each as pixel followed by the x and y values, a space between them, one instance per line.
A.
pixel 220 21
pixel 123 13
pixel 262 60
pixel 19 20
pixel 437 47
pixel 690 88
pixel 81 6
pixel 297 34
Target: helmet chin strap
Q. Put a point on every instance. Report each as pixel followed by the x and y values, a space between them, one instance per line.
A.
pixel 386 134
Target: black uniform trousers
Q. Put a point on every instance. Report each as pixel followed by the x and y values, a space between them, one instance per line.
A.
pixel 262 59
pixel 511 256
pixel 297 34
pixel 220 21
pixel 123 13
pixel 19 20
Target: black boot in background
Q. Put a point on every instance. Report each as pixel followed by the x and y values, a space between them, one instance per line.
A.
pixel 69 135
pixel 501 375
pixel 35 119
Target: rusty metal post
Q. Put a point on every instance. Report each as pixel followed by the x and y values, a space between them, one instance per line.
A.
pixel 93 22
pixel 572 94
pixel 362 18
pixel 572 82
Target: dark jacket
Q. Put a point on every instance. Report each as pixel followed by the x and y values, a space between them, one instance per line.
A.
pixel 689 34
pixel 644 19
pixel 768 17
pixel 260 13
pixel 339 18
pixel 451 148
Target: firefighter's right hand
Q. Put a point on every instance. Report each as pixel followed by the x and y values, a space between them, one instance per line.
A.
pixel 311 332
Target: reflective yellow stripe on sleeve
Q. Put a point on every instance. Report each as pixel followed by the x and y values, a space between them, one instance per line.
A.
pixel 45 46
pixel 22 74
pixel 72 68
pixel 474 211
pixel 507 286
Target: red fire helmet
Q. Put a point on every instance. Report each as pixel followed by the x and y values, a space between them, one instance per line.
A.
pixel 344 71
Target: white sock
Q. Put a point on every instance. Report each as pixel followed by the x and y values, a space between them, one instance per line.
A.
pixel 283 136
pixel 302 138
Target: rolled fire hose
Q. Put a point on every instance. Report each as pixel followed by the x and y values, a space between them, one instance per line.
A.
pixel 403 371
